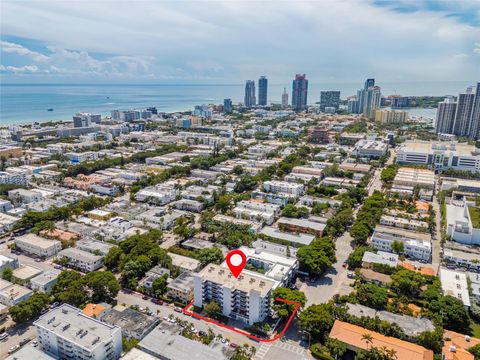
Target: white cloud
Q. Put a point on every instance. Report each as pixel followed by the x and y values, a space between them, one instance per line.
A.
pixel 476 48
pixel 9 47
pixel 18 69
pixel 236 40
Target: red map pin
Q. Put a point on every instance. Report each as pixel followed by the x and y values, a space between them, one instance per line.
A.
pixel 236 261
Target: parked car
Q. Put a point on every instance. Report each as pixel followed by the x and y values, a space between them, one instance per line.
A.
pixel 25 341
pixel 13 349
pixel 177 309
pixel 202 333
pixel 350 274
pixel 35 343
pixel 233 345
pixel 145 297
pixel 3 336
pixel 55 304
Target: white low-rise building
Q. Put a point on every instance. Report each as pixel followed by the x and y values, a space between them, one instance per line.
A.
pixel 284 187
pixel 460 226
pixel 11 294
pixel 36 245
pixel 416 245
pixel 44 282
pixel 454 283
pixel 256 211
pixel 67 333
pixel 370 149
pixel 81 260
pixel 409 224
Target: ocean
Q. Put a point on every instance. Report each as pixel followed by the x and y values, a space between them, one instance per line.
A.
pixel 27 103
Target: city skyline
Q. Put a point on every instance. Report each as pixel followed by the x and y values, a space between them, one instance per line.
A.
pixel 78 47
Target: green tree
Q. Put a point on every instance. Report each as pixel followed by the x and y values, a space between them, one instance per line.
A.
pixel 7 274
pixel 397 247
pixel 159 285
pixel 451 311
pixel 29 309
pixel 432 340
pixel 317 319
pixel 360 232
pixel 223 204
pixel 284 309
pixel 407 282
pixel 70 288
pixel 103 286
pixel 113 258
pixel 318 256
pixel 373 296
pixel 212 308
pixel 210 255
pixel 354 260
pixel 475 350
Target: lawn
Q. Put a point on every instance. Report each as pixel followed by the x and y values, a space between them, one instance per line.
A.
pixel 475 329
pixel 475 216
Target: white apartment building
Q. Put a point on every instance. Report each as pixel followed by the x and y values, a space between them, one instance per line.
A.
pixel 255 211
pixel 44 282
pixel 12 294
pixel 81 260
pixel 67 333
pixel 36 245
pixel 7 222
pixel 370 149
pixel 411 177
pixel 76 158
pixel 409 224
pixel 14 179
pixel 260 150
pixel 454 283
pixel 462 259
pixel 440 156
pixel 295 190
pixel 246 298
pixel 416 245
pixel 253 226
pixel 460 227
pixel 158 195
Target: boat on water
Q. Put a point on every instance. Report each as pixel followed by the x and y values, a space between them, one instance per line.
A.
pixel 50 109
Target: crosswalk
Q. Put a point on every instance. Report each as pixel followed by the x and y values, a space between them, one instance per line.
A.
pixel 294 351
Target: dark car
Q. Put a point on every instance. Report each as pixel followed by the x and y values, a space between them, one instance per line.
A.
pixel 145 297
pixel 202 333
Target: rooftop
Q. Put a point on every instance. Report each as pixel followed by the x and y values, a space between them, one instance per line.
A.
pixel 302 239
pixel 73 325
pixel 248 281
pixel 36 240
pixel 93 310
pixel 129 320
pixel 164 342
pixel 354 336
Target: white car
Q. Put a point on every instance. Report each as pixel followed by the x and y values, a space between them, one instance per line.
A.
pixel 3 336
pixel 166 318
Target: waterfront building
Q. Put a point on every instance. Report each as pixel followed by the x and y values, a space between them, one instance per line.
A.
pixel 299 92
pixel 329 99
pixel 262 91
pixel 462 124
pixel 250 99
pixel 227 106
pixel 445 116
pixel 284 99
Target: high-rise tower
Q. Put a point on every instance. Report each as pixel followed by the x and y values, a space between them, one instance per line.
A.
pixel 299 92
pixel 250 99
pixel 262 90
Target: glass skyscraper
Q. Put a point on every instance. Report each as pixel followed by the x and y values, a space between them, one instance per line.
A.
pixel 299 92
pixel 262 90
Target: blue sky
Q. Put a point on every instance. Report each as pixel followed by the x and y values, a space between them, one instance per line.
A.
pixel 230 41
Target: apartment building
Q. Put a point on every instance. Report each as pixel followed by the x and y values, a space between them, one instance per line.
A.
pixel 409 224
pixel 416 245
pixel 253 226
pixel 292 189
pixel 11 294
pixel 440 156
pixel 463 225
pixel 44 282
pixel 36 245
pixel 81 260
pixel 423 178
pixel 454 283
pixel 462 259
pixel 257 211
pixel 246 298
pixel 370 149
pixel 301 226
pixel 14 179
pixel 67 333
pixel 158 195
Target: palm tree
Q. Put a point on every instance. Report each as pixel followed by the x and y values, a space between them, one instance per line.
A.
pixel 368 339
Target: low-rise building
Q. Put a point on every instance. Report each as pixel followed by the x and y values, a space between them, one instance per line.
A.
pixel 66 332
pixel 134 324
pixel 181 288
pixel 256 211
pixel 462 259
pixel 12 294
pixel 416 245
pixel 380 258
pixel 408 224
pixel 422 178
pixel 301 226
pixel 454 283
pixel 370 149
pixel 81 260
pixel 292 189
pixel 463 219
pixel 294 239
pixel 36 245
pixel 8 262
pixel 185 263
pixel 188 205
pixel 253 226
pixel 45 281
pixel 354 337
pixel 94 246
